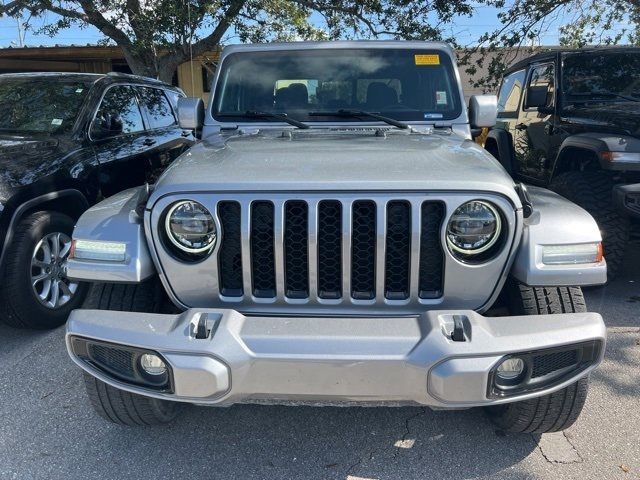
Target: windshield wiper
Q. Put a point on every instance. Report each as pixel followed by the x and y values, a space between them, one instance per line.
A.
pixel 361 113
pixel 604 94
pixel 255 114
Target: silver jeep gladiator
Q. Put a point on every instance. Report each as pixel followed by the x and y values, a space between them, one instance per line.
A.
pixel 337 238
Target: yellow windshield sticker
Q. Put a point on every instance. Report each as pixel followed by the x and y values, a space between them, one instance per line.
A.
pixel 428 59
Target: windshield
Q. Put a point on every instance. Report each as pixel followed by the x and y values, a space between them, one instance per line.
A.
pixel 39 106
pixel 606 76
pixel 314 85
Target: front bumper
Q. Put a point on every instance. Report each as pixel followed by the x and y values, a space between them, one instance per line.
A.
pixel 626 199
pixel 390 360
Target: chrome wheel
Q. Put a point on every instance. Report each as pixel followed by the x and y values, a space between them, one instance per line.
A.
pixel 49 271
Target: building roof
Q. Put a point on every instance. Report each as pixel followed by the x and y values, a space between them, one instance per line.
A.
pixel 86 52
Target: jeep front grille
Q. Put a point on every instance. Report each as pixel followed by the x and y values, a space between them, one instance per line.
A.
pixel 323 249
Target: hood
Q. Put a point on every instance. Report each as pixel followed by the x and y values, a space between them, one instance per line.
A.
pixel 615 116
pixel 25 159
pixel 336 160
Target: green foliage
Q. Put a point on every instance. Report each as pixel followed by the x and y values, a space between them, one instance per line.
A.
pixel 524 22
pixel 157 35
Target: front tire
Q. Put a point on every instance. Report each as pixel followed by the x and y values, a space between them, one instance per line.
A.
pixel 113 404
pixel 126 408
pixel 556 411
pixel 593 192
pixel 36 292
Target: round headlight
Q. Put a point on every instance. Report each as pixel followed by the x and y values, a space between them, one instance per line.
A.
pixel 474 228
pixel 190 227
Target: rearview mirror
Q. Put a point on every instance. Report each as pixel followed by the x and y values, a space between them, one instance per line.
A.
pixel 191 113
pixel 483 111
pixel 537 96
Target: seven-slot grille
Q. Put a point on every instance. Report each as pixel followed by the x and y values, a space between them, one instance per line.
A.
pixel 329 249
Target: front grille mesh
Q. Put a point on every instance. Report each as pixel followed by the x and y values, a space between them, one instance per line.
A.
pixel 230 259
pixel 551 362
pixel 115 360
pixel 296 257
pixel 431 254
pixel 262 250
pixel 329 249
pixel 398 253
pixel 363 251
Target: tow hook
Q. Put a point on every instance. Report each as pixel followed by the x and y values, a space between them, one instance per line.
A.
pixel 204 325
pixel 457 335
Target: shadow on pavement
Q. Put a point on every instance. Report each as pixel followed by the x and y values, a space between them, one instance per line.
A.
pixel 305 442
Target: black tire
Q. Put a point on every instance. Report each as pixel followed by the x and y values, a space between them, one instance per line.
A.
pixel 115 405
pixel 559 410
pixel 21 307
pixel 593 191
pixel 125 408
pixel 525 300
pixel 146 297
pixel 551 413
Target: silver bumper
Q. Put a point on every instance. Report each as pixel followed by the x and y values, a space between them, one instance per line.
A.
pixel 406 360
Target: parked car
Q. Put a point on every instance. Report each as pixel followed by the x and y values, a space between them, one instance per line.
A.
pixel 338 238
pixel 66 141
pixel 570 121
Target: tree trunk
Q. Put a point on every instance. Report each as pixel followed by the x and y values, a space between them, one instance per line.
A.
pixel 147 65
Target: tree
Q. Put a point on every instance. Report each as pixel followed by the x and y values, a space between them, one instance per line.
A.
pixel 158 35
pixel 524 22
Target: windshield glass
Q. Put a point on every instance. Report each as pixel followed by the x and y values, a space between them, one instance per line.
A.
pixel 403 84
pixel 608 76
pixel 39 106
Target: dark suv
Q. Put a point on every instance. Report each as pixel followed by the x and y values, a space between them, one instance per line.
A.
pixel 570 120
pixel 67 141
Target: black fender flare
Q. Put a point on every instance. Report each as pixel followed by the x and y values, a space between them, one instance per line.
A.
pixel 591 143
pixel 31 204
pixel 595 143
pixel 501 140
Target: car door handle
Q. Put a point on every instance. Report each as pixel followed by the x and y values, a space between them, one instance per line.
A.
pixel 521 126
pixel 148 142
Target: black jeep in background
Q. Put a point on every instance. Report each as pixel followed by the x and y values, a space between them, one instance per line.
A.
pixel 67 141
pixel 570 121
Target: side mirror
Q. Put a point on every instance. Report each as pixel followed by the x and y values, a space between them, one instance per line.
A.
pixel 483 111
pixel 107 125
pixel 536 96
pixel 191 113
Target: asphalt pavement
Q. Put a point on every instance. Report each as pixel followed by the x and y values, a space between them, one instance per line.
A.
pixel 48 430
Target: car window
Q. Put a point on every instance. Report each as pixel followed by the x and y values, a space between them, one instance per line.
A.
pixel 541 76
pixel 312 85
pixel 510 92
pixel 158 108
pixel 31 105
pixel 118 113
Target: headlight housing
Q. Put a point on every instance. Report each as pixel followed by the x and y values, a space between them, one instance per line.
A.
pixel 190 227
pixel 474 228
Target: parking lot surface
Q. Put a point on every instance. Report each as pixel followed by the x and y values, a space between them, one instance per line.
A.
pixel 48 430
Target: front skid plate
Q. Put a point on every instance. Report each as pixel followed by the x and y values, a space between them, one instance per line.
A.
pixel 408 360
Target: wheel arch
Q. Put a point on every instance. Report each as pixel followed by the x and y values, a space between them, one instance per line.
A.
pixel 500 144
pixel 579 153
pixel 69 201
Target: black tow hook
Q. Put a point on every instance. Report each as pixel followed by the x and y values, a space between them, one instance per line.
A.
pixel 457 335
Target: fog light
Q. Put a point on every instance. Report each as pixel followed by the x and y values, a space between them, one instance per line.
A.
pixel 152 364
pixel 510 369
